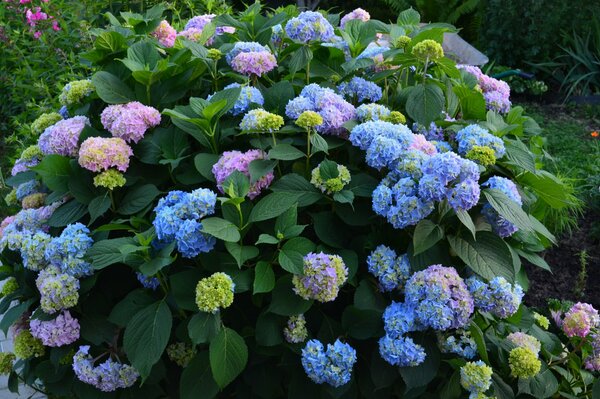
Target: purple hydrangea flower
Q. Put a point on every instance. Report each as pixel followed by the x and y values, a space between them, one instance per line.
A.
pixel 231 161
pixel 309 26
pixel 63 330
pixel 62 138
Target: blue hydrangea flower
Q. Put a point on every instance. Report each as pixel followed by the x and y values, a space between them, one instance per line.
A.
pixel 441 146
pixel 475 135
pixel 196 205
pixel 499 297
pixel 166 224
pixel 151 283
pixel 391 270
pixel 360 89
pixel 499 224
pixel 460 343
pixel 333 366
pixel 372 112
pixel 399 318
pixel 27 188
pixel 64 112
pixel 33 250
pixel 401 204
pixel 434 132
pixel 463 195
pixel 191 241
pixel 297 106
pixel 383 152
pixel 67 251
pixel 309 26
pixel 372 51
pixel 410 164
pixel 402 352
pixel 363 135
pixel 248 95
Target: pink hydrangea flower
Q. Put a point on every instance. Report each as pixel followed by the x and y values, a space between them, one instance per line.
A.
pixel 100 153
pixel 63 330
pixel 359 14
pixel 231 161
pixel 254 63
pixel 129 121
pixel 420 143
pixel 165 34
pixel 579 320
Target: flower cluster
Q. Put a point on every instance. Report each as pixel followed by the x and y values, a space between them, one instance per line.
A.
pixel 110 179
pixel 26 345
pixel 375 53
pixel 476 377
pixel 214 292
pixel 498 297
pixel 334 110
pixel 372 112
pixel 129 121
pixel 74 92
pixel 9 286
pixel 231 161
pixel 391 270
pixel 361 90
pixel 152 283
pixel 30 157
pixel 473 141
pixel 580 320
pixel 181 353
pixel 322 277
pixel 433 132
pixel 309 26
pixel 522 340
pixel 67 251
pixel 99 154
pixel 496 92
pixel 592 361
pixel 500 225
pixel 27 188
pixel 194 27
pixel 259 120
pixel 358 13
pixel 165 34
pixel 295 330
pixel 460 343
pixel 523 362
pixel 44 121
pixel 401 351
pixel 332 366
pixel 541 320
pixel 178 219
pixel 58 290
pixel 309 119
pixel 107 376
pixel 251 59
pixel 248 95
pixel 428 50
pixel 63 330
pixel 331 183
pixel 7 360
pixel 62 138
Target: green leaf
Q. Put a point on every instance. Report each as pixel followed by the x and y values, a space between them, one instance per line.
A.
pixel 319 144
pixel 284 301
pixel 266 239
pixel 129 306
pixel 542 385
pixel 548 187
pixel 264 278
pixel 236 185
pixel 67 213
pixel 300 59
pixel 221 229
pixel 111 89
pixel 286 220
pixel 229 95
pixel 508 209
pixel 241 253
pixel 54 171
pixel 155 265
pixel 138 198
pixel 479 339
pixel 197 381
pixel 204 163
pixel 271 206
pixel 299 187
pixel 285 152
pixel 344 197
pixel 519 155
pixel 146 337
pixel 268 330
pixel 466 220
pixel 13 314
pixel 228 356
pixel 328 169
pixel 488 256
pixel 203 327
pixel 362 323
pixel 259 168
pixel 144 53
pixel 110 41
pixel 276 98
pixel 426 235
pixel 500 388
pixel 409 18
pixel 534 259
pixel 425 103
pixel 98 207
pixel 107 252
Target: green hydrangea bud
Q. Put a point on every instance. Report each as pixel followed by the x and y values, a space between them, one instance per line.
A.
pixel 259 120
pixel 10 286
pixel 309 119
pixel 11 198
pixel 36 200
pixel 402 41
pixel 76 91
pixel 541 320
pixel 33 151
pixel 6 362
pixel 215 54
pixel 26 345
pixel 110 179
pixel 523 363
pixel 428 49
pixel 476 376
pixel 214 292
pixel 332 185
pixel 295 331
pixel 484 156
pixel 396 117
pixel 181 353
pixel 44 121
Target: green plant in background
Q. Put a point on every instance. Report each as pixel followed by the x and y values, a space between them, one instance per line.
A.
pixel 582 277
pixel 241 210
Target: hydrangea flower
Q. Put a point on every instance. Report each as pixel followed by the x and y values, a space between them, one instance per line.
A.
pixel 433 132
pixel 358 14
pixel 27 188
pixel 44 121
pixel 500 225
pixel 495 92
pixel 375 53
pixel 259 120
pixel 592 361
pixel 361 90
pixel 541 321
pixel 214 293
pixel 62 138
pixel 428 50
pixel 181 353
pixel 33 250
pixel 99 154
pixel 58 290
pixel 165 34
pixel 400 318
pixel 74 92
pixel 35 200
pixel 129 121
pixel 440 298
pixel 248 95
pixel 523 363
pixel 63 330
pixel 476 377
pixel 322 278
pixel 295 330
pixel 498 297
pixel 191 240
pixel 30 157
pixel 332 366
pixel 474 135
pixel 460 343
pixel 110 179
pixel 245 47
pixel 107 376
pixel 231 161
pixel 254 62
pixel 372 112
pixel 7 360
pixel 194 27
pixel 151 283
pixel 26 345
pixel 10 285
pixel 309 26
pixel 333 184
pixel 67 251
pixel 399 202
pixel 363 135
pixel 402 352
pixel 580 320
pixel 391 270
pixel 523 340
pixel 308 119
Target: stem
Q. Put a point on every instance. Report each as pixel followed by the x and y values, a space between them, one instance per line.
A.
pixel 425 70
pixel 112 201
pixel 148 95
pixel 308 72
pixel 307 151
pixel 274 140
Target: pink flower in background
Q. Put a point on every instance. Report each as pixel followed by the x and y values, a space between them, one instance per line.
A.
pixel 165 34
pixel 34 17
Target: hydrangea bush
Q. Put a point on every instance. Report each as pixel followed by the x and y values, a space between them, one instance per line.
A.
pixel 285 204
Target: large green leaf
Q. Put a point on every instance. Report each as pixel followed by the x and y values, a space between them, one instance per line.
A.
pixel 508 209
pixel 138 198
pixel 548 187
pixel 197 381
pixel 228 356
pixel 426 235
pixel 285 152
pixel 67 213
pixel 203 327
pixel 488 256
pixel 111 89
pixel 264 278
pixel 284 301
pixel 146 336
pixel 298 186
pixel 107 252
pixel 425 103
pixel 54 171
pixel 129 306
pixel 272 205
pixel 221 229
